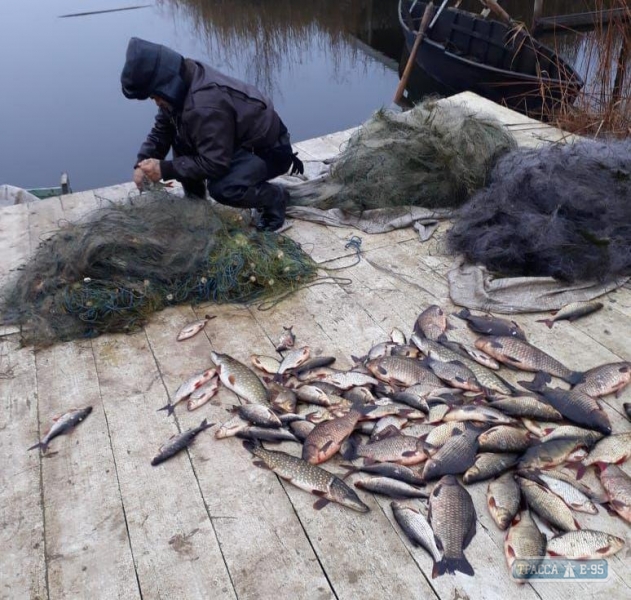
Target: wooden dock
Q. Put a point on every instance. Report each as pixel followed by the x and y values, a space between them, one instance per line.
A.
pixel 93 519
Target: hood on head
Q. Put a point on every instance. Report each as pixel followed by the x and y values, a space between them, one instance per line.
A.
pixel 153 70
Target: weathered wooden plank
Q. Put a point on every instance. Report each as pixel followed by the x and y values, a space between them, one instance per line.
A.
pixel 22 560
pixel 528 132
pixel 78 205
pixel 87 543
pixel 256 537
pixel 318 148
pixel 360 554
pixel 173 542
pixel 44 220
pixel 14 241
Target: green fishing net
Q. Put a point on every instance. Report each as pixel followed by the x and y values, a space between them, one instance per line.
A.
pixel 109 272
pixel 436 156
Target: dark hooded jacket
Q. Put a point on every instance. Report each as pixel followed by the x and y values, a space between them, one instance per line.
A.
pixel 213 115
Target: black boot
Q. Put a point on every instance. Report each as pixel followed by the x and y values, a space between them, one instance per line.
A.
pixel 273 214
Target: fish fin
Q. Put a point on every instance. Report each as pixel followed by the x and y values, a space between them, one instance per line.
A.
pixel 386 432
pixel 320 503
pixel 469 536
pixel 170 408
pixel 575 377
pixel 442 337
pixel 409 453
pixel 552 553
pixel 577 524
pixel 580 469
pixel 41 445
pixel 350 470
pixel 538 383
pixel 260 464
pixel 231 379
pixel 451 565
pixel 464 314
pixel 326 446
pixel 350 448
pixel 548 322
pixel 249 445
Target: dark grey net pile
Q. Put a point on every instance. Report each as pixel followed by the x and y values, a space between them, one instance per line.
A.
pixel 111 271
pixel 434 156
pixel 559 211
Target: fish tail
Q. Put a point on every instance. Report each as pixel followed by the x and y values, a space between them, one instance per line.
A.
pixel 548 322
pixel 205 425
pixel 464 314
pixel 575 377
pixel 350 449
pixel 252 445
pixel 169 408
pixel 42 445
pixel 538 383
pixel 451 565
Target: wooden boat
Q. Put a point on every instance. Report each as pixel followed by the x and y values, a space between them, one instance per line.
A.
pixel 464 51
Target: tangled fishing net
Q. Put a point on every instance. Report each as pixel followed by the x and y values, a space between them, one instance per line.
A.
pixel 559 211
pixel 109 273
pixel 435 156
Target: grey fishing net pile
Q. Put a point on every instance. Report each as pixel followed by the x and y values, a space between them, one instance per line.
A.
pixel 559 211
pixel 109 272
pixel 434 156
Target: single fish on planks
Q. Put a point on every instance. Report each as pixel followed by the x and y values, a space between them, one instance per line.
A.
pixel 524 540
pixel 431 323
pixel 178 442
pixel 62 425
pixel 452 517
pixel 488 325
pixel 571 312
pixel 525 357
pixel 617 484
pixel 203 394
pixel 193 328
pixel 286 340
pixel 188 387
pixel 240 379
pixel 310 478
pixel 606 379
pixel 548 505
pixel 292 360
pixel 267 364
pixel 503 498
pixel 415 525
pixel 585 544
pixel 390 487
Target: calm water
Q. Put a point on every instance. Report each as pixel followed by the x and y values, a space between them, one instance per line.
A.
pixel 328 64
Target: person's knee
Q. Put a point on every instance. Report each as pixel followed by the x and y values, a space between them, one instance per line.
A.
pixel 230 194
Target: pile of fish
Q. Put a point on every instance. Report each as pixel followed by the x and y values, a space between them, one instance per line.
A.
pixel 438 417
pixel 420 419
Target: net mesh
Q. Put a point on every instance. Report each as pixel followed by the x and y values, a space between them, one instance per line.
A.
pixel 435 156
pixel 109 272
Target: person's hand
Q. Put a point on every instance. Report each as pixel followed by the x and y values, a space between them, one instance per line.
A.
pixel 139 177
pixel 151 169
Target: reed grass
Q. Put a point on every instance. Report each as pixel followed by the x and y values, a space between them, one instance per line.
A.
pixel 603 57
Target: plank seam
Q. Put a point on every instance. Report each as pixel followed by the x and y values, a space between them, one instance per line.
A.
pixel 326 575
pixel 396 531
pixel 41 486
pixel 120 492
pixel 190 458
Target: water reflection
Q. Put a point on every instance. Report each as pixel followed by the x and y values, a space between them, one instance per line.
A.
pixel 271 37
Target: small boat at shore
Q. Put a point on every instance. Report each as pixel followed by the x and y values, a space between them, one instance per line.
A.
pixel 464 51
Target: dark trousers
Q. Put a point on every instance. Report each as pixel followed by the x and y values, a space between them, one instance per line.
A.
pixel 246 183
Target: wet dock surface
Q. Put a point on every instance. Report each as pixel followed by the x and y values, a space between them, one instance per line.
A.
pixel 93 519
